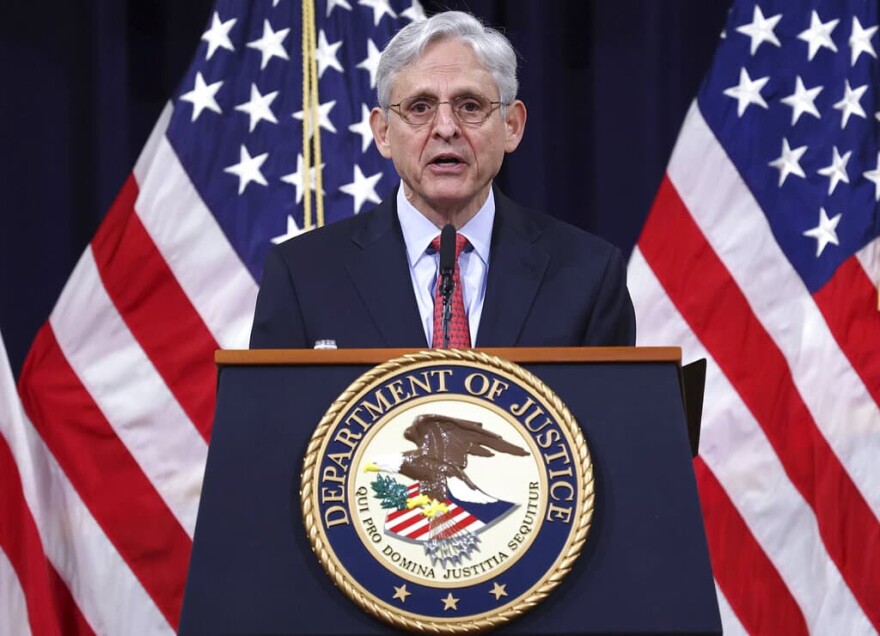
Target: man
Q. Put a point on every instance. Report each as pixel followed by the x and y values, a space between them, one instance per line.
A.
pixel 447 115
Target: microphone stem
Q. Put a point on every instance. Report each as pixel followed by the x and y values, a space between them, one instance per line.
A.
pixel 447 273
pixel 446 290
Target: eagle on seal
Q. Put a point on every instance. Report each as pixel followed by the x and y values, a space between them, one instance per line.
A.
pixel 438 464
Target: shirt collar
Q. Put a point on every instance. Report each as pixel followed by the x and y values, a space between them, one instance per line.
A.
pixel 418 231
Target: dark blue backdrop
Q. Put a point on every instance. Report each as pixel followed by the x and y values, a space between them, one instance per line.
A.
pixel 607 83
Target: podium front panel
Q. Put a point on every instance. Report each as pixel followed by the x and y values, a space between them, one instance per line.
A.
pixel 643 569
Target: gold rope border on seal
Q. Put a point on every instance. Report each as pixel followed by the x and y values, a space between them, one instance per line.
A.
pixel 551 579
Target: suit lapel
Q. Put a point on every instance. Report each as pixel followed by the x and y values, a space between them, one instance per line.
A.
pixel 380 273
pixel 516 269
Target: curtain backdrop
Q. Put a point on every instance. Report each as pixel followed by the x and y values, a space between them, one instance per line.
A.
pixel 607 84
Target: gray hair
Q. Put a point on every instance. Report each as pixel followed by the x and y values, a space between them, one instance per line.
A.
pixel 492 49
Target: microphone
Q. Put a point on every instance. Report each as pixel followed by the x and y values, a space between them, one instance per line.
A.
pixel 447 269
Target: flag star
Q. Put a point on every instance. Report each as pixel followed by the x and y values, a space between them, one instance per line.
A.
pixel 450 602
pixel 802 101
pixel 363 129
pixel 323 118
pixel 874 177
pixel 836 172
pixel 787 163
pixel 860 40
pixel 498 591
pixel 747 92
pixel 371 63
pixel 258 108
pixel 363 188
pixel 415 12
pixel 271 44
pixel 296 178
pixel 401 593
pixel 825 232
pixel 248 169
pixel 379 7
pixel 202 96
pixel 326 53
pixel 332 4
pixel 818 35
pixel 850 105
pixel 292 231
pixel 218 35
pixel 760 30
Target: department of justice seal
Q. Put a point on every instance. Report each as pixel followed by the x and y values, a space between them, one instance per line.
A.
pixel 447 491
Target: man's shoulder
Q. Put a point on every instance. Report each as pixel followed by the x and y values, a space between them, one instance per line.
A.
pixel 553 233
pixel 556 229
pixel 329 239
pixel 330 233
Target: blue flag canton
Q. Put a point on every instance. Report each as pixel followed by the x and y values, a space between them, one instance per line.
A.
pixel 237 123
pixel 792 98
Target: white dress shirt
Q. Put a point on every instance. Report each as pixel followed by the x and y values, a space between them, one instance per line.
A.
pixel 424 261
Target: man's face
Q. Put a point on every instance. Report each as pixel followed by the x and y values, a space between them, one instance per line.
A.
pixel 446 166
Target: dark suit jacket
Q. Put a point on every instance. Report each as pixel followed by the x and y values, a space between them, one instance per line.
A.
pixel 550 284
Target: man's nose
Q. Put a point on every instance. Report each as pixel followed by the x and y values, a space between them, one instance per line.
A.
pixel 446 124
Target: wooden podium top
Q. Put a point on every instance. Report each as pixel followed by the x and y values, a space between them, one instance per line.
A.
pixel 235 357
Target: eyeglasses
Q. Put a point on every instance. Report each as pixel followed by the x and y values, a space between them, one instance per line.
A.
pixel 468 109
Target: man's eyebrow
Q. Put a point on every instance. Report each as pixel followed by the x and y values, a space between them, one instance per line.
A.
pixel 465 92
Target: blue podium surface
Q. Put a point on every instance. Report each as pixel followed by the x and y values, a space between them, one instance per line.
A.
pixel 644 568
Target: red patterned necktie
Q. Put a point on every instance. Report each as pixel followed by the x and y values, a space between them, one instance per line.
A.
pixel 459 332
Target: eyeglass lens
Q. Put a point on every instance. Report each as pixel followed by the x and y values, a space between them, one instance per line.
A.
pixel 467 108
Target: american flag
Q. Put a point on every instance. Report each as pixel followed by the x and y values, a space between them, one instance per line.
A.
pixel 102 470
pixel 410 523
pixel 761 255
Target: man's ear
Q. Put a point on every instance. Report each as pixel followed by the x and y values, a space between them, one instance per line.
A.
pixel 379 126
pixel 515 125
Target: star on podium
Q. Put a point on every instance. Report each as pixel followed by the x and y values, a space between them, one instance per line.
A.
pixel 498 590
pixel 450 602
pixel 401 593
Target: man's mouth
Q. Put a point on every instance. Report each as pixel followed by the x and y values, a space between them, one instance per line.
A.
pixel 446 161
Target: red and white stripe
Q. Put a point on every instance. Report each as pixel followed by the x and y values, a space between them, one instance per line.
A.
pixel 13 604
pixel 413 525
pixel 787 471
pixel 108 453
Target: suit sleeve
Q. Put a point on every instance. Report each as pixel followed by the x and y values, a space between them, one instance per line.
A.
pixel 278 322
pixel 613 321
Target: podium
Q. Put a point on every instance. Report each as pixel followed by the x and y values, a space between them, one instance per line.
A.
pixel 645 565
